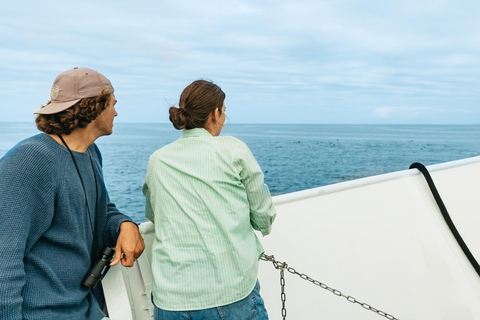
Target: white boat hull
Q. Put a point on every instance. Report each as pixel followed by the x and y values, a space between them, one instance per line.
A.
pixel 381 240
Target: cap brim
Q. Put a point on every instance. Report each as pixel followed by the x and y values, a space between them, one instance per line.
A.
pixel 56 107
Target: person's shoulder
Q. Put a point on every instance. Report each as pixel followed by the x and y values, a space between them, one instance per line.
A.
pixel 34 140
pixel 165 150
pixel 95 152
pixel 233 144
pixel 231 140
pixel 32 147
pixel 37 152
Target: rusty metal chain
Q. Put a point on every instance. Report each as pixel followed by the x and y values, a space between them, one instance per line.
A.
pixel 282 266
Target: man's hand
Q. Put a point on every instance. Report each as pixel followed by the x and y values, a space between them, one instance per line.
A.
pixel 129 243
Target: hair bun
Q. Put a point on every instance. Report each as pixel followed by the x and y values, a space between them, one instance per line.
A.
pixel 177 117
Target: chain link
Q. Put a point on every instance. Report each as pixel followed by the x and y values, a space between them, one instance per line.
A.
pixel 282 266
pixel 283 296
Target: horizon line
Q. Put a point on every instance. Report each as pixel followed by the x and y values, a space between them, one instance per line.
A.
pixel 294 123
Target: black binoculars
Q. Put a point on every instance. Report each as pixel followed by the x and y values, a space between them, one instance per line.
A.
pixel 99 268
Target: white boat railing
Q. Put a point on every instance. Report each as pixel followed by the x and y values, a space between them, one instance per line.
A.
pixel 381 239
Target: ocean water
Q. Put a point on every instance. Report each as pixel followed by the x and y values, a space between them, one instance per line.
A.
pixel 293 157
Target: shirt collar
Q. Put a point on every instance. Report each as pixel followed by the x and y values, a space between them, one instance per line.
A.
pixel 196 132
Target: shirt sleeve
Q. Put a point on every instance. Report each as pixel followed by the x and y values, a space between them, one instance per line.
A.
pixel 27 194
pixel 262 211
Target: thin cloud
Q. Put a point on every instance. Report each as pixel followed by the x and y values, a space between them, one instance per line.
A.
pixel 385 59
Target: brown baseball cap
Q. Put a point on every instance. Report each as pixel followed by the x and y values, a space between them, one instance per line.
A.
pixel 73 85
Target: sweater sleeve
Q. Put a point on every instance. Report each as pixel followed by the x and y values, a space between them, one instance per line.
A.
pixel 262 211
pixel 27 193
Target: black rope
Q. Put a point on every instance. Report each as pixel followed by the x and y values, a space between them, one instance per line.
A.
pixel 446 215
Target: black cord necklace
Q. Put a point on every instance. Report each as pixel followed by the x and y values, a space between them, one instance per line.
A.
pixel 92 223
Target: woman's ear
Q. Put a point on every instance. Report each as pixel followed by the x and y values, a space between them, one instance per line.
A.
pixel 215 114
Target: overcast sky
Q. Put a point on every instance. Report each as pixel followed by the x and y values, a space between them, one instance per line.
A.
pixel 293 61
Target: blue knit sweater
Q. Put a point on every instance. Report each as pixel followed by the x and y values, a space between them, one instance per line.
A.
pixel 46 233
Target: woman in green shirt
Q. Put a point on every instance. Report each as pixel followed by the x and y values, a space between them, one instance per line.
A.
pixel 206 195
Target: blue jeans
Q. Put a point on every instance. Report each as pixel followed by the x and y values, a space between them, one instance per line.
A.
pixel 250 308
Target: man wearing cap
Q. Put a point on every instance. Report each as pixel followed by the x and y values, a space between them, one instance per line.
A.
pixel 55 213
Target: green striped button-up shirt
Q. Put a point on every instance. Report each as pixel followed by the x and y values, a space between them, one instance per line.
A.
pixel 205 195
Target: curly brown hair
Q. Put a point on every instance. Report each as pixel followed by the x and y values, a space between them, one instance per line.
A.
pixel 77 116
